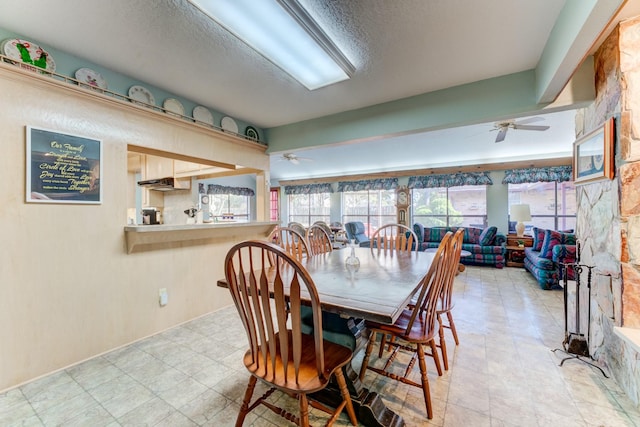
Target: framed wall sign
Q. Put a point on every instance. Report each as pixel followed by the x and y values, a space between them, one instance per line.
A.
pixel 593 154
pixel 63 168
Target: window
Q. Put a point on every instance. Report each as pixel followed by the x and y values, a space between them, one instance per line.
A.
pixel 222 204
pixel 309 208
pixel 552 204
pixel 374 208
pixel 274 199
pixel 464 206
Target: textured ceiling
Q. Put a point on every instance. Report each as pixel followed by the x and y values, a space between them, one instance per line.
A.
pixel 400 48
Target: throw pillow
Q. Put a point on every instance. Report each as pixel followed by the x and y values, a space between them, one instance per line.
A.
pixel 538 238
pixel 487 236
pixel 552 238
pixel 419 230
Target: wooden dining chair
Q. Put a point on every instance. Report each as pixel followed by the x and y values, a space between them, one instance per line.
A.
pixel 279 353
pixel 446 299
pixel 291 241
pixel 394 237
pixel 318 240
pixel 416 327
pixel 297 227
pixel 326 228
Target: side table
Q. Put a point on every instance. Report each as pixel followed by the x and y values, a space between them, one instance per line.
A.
pixel 515 256
pixel 515 252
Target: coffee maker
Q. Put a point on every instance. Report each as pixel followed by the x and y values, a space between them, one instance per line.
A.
pixel 150 216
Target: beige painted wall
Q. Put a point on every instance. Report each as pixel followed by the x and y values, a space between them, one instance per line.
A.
pixel 68 288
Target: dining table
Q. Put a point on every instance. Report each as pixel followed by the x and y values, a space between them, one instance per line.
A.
pixel 376 288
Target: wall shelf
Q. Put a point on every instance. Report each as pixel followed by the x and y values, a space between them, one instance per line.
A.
pixel 145 236
pixel 73 84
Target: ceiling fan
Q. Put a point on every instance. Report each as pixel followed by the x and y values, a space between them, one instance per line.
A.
pixel 290 157
pixel 503 127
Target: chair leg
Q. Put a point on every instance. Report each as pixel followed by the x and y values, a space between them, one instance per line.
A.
pixel 244 408
pixel 367 355
pixel 443 345
pixel 383 342
pixel 304 410
pixel 425 381
pixel 452 326
pixel 436 358
pixel 342 384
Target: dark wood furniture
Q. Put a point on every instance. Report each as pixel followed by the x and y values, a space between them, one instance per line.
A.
pixel 279 353
pixel 365 293
pixel 515 253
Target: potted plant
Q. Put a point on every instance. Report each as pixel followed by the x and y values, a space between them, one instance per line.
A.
pixel 521 243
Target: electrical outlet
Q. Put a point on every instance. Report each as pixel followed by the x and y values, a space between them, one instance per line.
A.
pixel 164 296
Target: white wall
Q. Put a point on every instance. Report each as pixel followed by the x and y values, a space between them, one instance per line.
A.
pixel 68 288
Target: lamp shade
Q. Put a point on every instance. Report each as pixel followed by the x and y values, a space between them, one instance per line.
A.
pixel 520 213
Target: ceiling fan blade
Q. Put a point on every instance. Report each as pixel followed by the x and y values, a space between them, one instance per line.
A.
pixel 501 134
pixel 529 127
pixel 529 120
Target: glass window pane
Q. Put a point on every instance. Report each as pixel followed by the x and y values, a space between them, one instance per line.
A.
pixel 552 205
pixel 309 208
pixel 453 207
pixel 373 208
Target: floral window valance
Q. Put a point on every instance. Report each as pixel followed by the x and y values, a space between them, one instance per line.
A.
pixel 550 174
pixel 450 180
pixel 223 189
pixel 368 184
pixel 308 189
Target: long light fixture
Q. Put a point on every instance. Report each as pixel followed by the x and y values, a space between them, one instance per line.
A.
pixel 283 32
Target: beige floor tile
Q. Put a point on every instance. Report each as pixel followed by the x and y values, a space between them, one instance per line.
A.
pixel 503 373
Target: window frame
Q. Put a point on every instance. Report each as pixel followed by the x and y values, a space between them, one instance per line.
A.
pixel 557 218
pixel 311 216
pixel 246 216
pixel 370 219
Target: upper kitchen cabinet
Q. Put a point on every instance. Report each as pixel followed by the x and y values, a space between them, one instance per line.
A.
pixel 158 167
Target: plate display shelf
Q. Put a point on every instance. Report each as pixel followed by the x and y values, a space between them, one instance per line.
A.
pixel 9 64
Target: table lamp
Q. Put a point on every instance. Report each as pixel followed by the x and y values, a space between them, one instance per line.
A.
pixel 520 213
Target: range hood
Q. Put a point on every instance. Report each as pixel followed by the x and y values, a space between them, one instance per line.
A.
pixel 166 184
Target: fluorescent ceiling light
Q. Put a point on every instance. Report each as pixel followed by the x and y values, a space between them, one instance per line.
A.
pixel 284 33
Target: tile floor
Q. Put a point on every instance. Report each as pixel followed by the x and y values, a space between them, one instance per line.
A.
pixel 502 374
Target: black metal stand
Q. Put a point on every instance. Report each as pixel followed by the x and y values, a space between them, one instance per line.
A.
pixel 576 344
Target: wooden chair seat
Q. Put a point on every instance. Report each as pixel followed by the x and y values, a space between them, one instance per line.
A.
pixel 336 356
pixel 417 333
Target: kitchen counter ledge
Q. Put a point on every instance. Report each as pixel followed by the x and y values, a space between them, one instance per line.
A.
pixel 138 236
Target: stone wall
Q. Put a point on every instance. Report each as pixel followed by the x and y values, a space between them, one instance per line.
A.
pixel 609 211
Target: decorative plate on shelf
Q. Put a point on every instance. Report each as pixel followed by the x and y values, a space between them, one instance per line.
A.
pixel 202 114
pixel 251 133
pixel 173 106
pixel 229 125
pixel 92 78
pixel 142 95
pixel 29 53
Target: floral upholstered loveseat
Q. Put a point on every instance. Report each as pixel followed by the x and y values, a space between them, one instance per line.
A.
pixel 550 249
pixel 487 246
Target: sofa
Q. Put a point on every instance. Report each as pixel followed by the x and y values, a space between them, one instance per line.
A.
pixel 486 245
pixel 550 249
